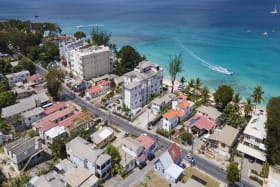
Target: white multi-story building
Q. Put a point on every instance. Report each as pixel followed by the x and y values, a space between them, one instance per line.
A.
pixel 254 137
pixel 146 79
pixel 66 46
pixel 21 76
pixel 89 62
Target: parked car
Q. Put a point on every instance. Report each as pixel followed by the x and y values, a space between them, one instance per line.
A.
pixel 142 165
pixel 150 157
pixel 188 157
pixel 182 165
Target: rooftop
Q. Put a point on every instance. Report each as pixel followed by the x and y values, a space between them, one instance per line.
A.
pixel 131 143
pixel 18 74
pixel 102 159
pixel 77 120
pixel 174 151
pixel 184 104
pixel 55 131
pixel 94 89
pixel 200 122
pixel 171 114
pixel 256 126
pixel 125 157
pixel 174 171
pixel 78 176
pixel 83 149
pixel 35 76
pixel 55 107
pixel 21 145
pixel 181 96
pixel 227 135
pixel 101 135
pixel 68 121
pixel 51 179
pixel 84 51
pixel 33 112
pixel 209 111
pixel 164 99
pixel 145 140
pixel 104 82
pixel 251 151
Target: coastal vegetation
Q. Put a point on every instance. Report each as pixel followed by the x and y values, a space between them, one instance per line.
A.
pixel 223 95
pixel 79 35
pixel 175 66
pixel 257 95
pixel 273 131
pixel 100 37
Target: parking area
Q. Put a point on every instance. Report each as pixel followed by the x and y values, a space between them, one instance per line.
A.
pixel 142 120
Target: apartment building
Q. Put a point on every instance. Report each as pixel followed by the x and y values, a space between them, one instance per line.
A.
pixel 89 62
pixel 21 76
pixel 146 79
pixel 254 137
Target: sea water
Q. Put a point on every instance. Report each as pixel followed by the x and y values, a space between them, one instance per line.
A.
pixel 216 38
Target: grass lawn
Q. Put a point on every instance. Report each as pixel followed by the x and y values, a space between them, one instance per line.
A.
pixel 156 181
pixel 188 172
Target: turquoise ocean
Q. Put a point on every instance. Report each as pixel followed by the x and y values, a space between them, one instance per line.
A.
pixel 214 36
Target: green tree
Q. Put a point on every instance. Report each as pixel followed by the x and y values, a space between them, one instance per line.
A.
pixel 129 59
pixel 205 95
pixel 257 95
pixel 17 68
pixel 4 85
pixel 7 98
pixel 4 126
pixel 236 100
pixel 232 117
pixel 5 67
pixel 273 131
pixel 27 64
pixel 79 35
pixel 115 156
pixel 186 137
pixel 58 148
pixel 232 173
pixel 175 67
pixel 223 95
pixel 100 37
pixel 84 134
pixel 54 79
pixel 248 108
pixel 191 83
pixel 182 80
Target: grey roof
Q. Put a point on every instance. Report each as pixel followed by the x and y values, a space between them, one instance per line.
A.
pixel 132 85
pixel 164 99
pixel 21 145
pixel 210 111
pixel 102 159
pixel 49 180
pixel 227 135
pixel 83 149
pixel 33 112
pixel 119 80
pixel 125 158
pixel 166 159
pixel 77 176
pixel 131 143
pixel 23 105
pixel 101 135
pixel 18 73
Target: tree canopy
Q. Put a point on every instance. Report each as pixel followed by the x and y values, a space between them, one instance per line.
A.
pixel 232 173
pixel 54 79
pixel 7 98
pixel 115 156
pixel 129 59
pixel 175 67
pixel 223 95
pixel 100 37
pixel 79 35
pixel 257 95
pixel 273 131
pixel 58 148
pixel 231 116
pixel 186 137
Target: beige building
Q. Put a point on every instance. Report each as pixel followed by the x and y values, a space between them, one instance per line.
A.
pixel 102 137
pixel 89 62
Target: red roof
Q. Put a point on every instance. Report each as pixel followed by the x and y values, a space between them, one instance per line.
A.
pixel 68 121
pixel 180 113
pixel 45 125
pixel 104 82
pixel 174 151
pixel 180 96
pixel 183 104
pixel 200 121
pixel 146 141
pixel 35 76
pixel 55 107
pixel 94 89
pixel 171 114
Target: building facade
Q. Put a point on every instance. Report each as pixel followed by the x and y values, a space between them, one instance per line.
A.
pixel 146 79
pixel 21 76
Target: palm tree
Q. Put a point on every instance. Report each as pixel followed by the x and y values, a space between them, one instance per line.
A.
pixel 236 100
pixel 257 95
pixel 183 80
pixel 191 83
pixel 205 94
pixel 197 85
pixel 248 108
pixel 175 67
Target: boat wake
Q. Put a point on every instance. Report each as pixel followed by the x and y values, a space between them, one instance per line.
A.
pixel 90 25
pixel 213 67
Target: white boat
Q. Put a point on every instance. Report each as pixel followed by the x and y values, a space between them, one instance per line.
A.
pixel 80 26
pixel 265 33
pixel 275 11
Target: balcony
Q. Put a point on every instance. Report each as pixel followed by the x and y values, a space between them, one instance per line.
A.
pixel 103 169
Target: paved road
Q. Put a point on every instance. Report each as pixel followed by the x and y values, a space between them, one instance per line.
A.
pixel 162 143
